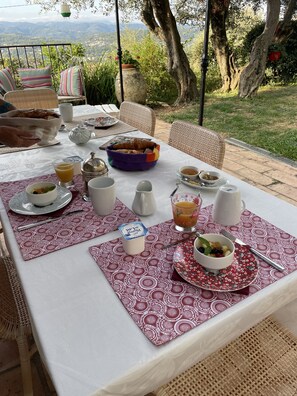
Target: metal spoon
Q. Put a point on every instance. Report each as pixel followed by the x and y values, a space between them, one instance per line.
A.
pixel 174 191
pixel 198 182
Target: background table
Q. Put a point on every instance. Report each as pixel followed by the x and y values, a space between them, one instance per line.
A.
pixel 88 341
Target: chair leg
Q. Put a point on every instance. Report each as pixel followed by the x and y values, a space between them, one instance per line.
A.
pixel 25 361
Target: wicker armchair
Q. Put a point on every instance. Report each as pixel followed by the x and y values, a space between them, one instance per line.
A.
pixel 202 143
pixel 14 318
pixel 139 116
pixel 39 98
pixel 262 361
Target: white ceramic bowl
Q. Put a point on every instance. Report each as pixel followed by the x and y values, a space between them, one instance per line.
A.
pixel 42 198
pixel 209 177
pixel 189 171
pixel 214 263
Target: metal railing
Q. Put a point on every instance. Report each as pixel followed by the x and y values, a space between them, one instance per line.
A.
pixel 35 56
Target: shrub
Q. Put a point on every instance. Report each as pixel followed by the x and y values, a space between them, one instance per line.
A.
pixel 152 57
pixel 195 51
pixel 99 78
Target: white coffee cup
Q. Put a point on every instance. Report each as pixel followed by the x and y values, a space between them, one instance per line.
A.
pixel 103 194
pixel 66 111
pixel 228 205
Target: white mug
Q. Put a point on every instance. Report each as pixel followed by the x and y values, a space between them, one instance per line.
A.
pixel 66 111
pixel 228 205
pixel 144 203
pixel 103 194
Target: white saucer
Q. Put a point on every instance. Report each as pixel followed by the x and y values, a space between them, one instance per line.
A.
pixel 101 122
pixel 20 204
pixel 211 187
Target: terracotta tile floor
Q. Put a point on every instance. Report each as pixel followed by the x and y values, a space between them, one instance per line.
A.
pixel 257 168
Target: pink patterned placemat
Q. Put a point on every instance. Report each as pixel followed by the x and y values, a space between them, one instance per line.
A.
pixel 164 308
pixel 67 231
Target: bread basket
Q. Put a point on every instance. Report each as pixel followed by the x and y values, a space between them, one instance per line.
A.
pixel 43 123
pixel 134 155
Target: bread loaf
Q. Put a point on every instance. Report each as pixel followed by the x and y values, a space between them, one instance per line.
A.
pixel 135 144
pixel 35 113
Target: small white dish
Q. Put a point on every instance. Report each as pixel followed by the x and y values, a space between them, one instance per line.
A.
pixel 209 177
pixel 101 122
pixel 206 187
pixel 191 172
pixel 41 193
pixel 209 262
pixel 19 203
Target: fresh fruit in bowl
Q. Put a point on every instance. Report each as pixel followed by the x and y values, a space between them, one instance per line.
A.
pixel 209 177
pixel 42 193
pixel 213 251
pixel 189 171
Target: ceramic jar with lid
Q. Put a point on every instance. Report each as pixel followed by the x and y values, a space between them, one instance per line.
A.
pixel 92 167
pixel 80 134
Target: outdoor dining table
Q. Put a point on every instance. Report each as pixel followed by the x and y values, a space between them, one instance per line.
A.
pixel 89 337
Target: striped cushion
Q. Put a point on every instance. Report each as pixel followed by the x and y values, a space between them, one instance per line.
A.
pixel 71 82
pixel 6 81
pixel 34 78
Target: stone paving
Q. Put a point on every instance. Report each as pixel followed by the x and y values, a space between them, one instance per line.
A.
pixel 262 170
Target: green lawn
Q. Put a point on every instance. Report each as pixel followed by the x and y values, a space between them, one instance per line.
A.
pixel 268 120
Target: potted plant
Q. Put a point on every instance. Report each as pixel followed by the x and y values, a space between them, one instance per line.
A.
pixel 128 61
pixel 275 52
pixel 134 85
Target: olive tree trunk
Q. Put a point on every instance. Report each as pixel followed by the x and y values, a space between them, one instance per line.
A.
pixel 284 28
pixel 229 72
pixel 157 16
pixel 252 75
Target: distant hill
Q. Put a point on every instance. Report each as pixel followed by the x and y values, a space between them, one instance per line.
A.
pixel 57 31
pixel 97 36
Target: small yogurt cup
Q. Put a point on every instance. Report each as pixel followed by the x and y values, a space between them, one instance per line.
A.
pixel 133 237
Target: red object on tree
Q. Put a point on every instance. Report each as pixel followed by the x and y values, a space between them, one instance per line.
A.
pixel 274 55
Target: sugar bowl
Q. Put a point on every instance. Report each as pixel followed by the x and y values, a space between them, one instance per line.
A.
pixel 92 167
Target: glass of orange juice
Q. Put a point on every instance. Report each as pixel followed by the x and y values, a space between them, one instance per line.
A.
pixel 64 172
pixel 185 209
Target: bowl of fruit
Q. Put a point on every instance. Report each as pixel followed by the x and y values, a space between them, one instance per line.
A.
pixel 213 251
pixel 209 177
pixel 42 193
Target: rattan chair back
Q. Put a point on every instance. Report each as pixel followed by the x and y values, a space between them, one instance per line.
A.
pixel 262 361
pixel 39 98
pixel 14 318
pixel 140 116
pixel 200 142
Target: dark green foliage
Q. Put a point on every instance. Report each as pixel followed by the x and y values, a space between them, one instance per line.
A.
pixel 99 78
pixel 284 70
pixel 248 42
pixel 128 59
pixel 152 57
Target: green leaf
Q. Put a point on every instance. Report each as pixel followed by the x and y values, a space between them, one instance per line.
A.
pixel 205 243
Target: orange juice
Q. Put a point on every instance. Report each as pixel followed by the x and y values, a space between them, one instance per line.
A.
pixel 64 171
pixel 185 214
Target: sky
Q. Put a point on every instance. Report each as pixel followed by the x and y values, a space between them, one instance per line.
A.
pixel 19 10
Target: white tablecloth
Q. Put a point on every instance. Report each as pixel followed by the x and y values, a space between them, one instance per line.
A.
pixel 87 339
